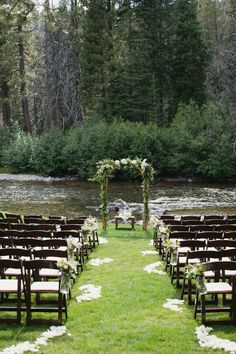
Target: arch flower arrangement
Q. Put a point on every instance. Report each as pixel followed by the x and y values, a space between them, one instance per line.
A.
pixel 106 168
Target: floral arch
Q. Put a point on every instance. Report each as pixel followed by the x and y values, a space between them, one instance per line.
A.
pixel 106 169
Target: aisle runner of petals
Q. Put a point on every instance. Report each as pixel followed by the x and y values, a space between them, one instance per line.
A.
pixel 150 243
pixel 20 348
pixel 173 304
pixel 102 240
pixel 207 340
pixel 90 292
pixel 99 261
pixel 151 268
pixel 144 253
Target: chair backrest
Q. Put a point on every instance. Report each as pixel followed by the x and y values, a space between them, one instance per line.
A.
pixel 12 220
pixel 193 244
pixel 232 221
pixel 192 222
pixel 201 228
pixel 26 242
pixel 10 263
pixel 65 234
pixel 216 221
pixel 203 255
pixel 33 216
pixel 52 243
pixel 15 252
pixel 210 235
pixel 37 234
pixel 231 253
pixel 232 216
pixel 43 254
pixel 54 221
pixel 29 220
pixel 230 235
pixel 190 217
pixel 225 227
pixel 167 217
pixel 75 221
pixel 187 235
pixel 71 227
pixel 179 227
pixel 11 233
pixel 213 217
pixel 40 227
pixel 5 242
pixel 220 265
pixel 221 243
pixel 4 225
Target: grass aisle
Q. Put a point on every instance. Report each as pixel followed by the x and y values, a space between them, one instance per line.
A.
pixel 129 317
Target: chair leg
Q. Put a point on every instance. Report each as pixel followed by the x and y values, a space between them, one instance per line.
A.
pixel 18 318
pixel 60 304
pixel 203 308
pixel 28 308
pixel 196 305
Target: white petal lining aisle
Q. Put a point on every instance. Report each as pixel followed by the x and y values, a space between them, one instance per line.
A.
pixel 144 253
pixel 90 292
pixel 102 240
pixel 20 348
pixel 99 261
pixel 173 304
pixel 207 340
pixel 151 268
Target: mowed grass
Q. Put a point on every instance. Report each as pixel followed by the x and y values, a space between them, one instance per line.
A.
pixel 129 317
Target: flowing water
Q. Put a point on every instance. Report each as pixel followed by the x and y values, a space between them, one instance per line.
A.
pixel 73 197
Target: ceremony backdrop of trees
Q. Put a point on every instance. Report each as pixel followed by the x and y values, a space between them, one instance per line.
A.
pixel 93 79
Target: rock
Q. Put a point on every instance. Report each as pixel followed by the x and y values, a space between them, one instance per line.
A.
pixel 117 205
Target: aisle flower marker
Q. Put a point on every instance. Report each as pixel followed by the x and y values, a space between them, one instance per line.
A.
pixel 20 348
pixel 90 292
pixel 207 340
pixel 97 261
pixel 106 168
pixel 151 268
pixel 173 304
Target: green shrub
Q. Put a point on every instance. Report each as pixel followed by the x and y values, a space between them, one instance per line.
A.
pixel 47 157
pixel 18 154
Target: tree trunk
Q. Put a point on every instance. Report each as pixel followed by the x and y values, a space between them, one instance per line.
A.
pixel 6 109
pixel 26 124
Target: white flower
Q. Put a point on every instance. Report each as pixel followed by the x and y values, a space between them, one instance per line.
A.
pixel 144 253
pixel 211 341
pixel 117 163
pixel 124 161
pixel 97 262
pixel 172 304
pixel 102 240
pixel 144 164
pixel 151 268
pixel 90 292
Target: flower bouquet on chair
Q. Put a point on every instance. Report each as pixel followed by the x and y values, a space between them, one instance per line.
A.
pixel 68 271
pixel 196 271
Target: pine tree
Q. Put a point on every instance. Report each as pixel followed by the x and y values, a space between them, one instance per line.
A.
pixel 189 56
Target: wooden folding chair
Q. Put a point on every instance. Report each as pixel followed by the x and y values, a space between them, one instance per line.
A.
pixel 217 288
pixel 11 286
pixel 36 286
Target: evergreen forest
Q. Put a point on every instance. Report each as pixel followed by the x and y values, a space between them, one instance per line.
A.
pixel 84 80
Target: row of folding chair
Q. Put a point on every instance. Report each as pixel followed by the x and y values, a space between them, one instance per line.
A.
pixel 165 217
pixel 224 227
pixel 191 235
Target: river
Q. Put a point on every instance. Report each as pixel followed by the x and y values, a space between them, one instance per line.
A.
pixel 73 197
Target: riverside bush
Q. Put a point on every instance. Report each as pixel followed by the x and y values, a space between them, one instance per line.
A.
pixel 18 154
pixel 194 145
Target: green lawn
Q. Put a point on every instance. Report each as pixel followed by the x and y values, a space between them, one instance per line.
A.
pixel 129 317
